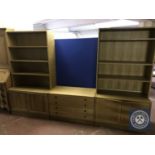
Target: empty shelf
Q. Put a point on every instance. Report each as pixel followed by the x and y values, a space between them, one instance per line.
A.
pixel 124 62
pixel 30 74
pixel 38 61
pixel 135 78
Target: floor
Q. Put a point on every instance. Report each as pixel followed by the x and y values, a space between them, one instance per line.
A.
pixel 17 125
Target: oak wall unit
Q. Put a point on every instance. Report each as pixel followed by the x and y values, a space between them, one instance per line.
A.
pixel 3 49
pixel 32 58
pixel 125 61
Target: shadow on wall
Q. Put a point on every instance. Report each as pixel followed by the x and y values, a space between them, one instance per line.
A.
pixel 76 62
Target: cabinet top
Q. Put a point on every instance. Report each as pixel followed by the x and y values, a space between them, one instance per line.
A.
pixel 59 90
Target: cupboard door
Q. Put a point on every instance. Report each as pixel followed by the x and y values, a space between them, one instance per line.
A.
pixel 128 107
pixel 18 102
pixel 38 104
pixel 107 111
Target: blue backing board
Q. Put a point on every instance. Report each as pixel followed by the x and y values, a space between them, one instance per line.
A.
pixel 76 62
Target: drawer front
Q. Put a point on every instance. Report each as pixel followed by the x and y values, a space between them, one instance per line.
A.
pixel 37 103
pixel 18 101
pixel 72 114
pixel 107 111
pixel 69 101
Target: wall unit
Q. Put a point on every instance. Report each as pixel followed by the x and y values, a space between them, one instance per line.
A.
pixel 5 83
pixel 32 58
pixel 125 61
pixel 3 49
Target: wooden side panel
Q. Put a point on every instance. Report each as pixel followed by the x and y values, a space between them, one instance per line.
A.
pixel 3 50
pixel 51 58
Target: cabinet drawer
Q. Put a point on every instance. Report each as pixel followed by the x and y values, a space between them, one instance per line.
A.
pixel 71 101
pixel 71 114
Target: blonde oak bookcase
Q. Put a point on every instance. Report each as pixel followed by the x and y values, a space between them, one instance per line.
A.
pixel 124 72
pixel 32 58
pixel 125 61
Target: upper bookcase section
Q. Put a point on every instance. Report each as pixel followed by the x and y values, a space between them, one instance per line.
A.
pixel 27 38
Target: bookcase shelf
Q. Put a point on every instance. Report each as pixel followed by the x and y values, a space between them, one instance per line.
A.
pixel 30 74
pixel 32 58
pixel 125 61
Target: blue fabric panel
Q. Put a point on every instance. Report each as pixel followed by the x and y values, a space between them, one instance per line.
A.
pixel 76 62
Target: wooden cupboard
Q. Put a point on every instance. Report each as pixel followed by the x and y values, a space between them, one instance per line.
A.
pixel 115 110
pixel 31 102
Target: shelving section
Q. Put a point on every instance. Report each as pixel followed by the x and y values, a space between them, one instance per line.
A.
pixel 125 61
pixel 32 58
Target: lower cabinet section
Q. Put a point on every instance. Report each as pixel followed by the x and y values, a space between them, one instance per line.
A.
pixel 76 106
pixel 69 107
pixel 29 103
pixel 116 112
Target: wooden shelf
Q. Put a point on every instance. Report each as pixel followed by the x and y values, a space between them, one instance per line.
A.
pixel 27 47
pixel 125 62
pixel 27 61
pixel 29 74
pixel 135 78
pixel 124 40
pixel 120 90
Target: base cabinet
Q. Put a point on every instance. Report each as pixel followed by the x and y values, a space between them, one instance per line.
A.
pixel 116 112
pixel 30 104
